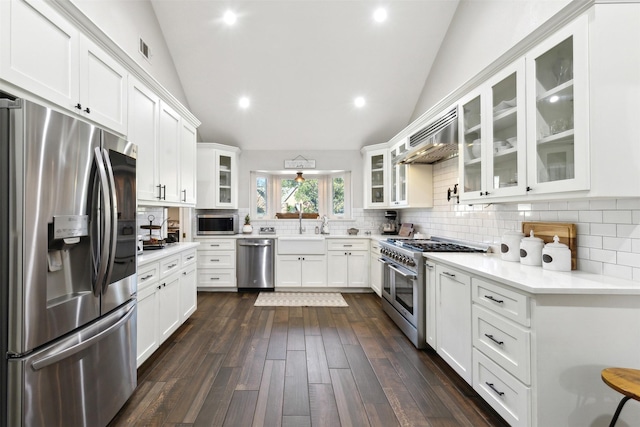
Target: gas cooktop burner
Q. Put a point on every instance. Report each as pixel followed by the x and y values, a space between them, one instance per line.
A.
pixel 433 246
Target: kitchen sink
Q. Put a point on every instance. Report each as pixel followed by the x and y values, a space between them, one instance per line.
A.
pixel 297 245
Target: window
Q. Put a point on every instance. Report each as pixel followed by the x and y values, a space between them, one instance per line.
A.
pixel 323 194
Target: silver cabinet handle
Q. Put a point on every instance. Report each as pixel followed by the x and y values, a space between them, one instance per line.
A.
pixel 214 260
pixel 449 274
pixel 214 246
pixel 189 258
pixel 171 266
pixel 214 278
pixel 148 276
pixel 429 266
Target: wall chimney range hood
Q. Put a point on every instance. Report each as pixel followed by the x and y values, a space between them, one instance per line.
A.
pixel 435 142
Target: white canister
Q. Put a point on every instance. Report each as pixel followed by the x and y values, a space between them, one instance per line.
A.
pixel 510 246
pixel 531 250
pixel 556 256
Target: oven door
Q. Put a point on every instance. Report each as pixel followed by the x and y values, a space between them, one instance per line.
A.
pixel 400 289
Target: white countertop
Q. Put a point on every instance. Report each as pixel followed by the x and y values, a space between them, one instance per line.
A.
pixel 255 235
pixel 172 248
pixel 535 280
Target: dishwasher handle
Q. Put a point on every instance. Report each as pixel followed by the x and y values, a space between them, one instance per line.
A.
pixel 254 244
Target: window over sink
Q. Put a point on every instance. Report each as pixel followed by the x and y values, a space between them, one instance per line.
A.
pixel 322 193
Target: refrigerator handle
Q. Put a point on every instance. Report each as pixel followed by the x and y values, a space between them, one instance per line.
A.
pixel 114 220
pixel 56 357
pixel 106 207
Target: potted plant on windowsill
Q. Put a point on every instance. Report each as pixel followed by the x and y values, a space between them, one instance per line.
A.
pixel 247 228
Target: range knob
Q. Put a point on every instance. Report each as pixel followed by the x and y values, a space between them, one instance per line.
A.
pixel 411 262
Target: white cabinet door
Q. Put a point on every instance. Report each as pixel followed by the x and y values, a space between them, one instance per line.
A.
pixel 168 154
pixel 147 329
pixel 376 178
pixel 169 306
pixel 338 268
pixel 558 111
pixel 453 322
pixel 188 292
pixel 314 271
pixel 358 269
pixel 39 51
pixel 103 87
pixel 431 306
pixel 375 274
pixel 226 174
pixel 289 270
pixel 188 164
pixel 144 110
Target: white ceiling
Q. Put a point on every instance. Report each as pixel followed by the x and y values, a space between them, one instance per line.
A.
pixel 302 63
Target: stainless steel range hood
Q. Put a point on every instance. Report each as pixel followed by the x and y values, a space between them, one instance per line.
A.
pixel 435 142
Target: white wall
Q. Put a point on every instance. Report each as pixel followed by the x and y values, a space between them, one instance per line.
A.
pixel 479 33
pixel 348 160
pixel 125 22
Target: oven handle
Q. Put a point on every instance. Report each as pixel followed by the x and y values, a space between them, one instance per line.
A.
pixel 380 260
pixel 403 274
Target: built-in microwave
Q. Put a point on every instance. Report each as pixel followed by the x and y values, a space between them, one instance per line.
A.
pixel 208 224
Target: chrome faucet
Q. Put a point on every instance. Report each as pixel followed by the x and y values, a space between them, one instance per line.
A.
pixel 299 208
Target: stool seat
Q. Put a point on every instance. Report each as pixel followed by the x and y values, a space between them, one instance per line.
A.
pixel 625 381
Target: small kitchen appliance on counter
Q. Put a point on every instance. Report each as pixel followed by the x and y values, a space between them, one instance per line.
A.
pixel 391 225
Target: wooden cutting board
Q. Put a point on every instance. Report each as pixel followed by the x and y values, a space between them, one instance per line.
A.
pixel 546 230
pixel 406 230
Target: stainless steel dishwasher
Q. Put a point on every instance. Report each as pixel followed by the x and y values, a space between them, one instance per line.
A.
pixel 254 266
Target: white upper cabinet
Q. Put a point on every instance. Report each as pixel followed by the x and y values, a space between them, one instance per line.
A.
pixel 217 176
pixel 376 173
pixel 492 134
pixel 33 35
pixel 188 164
pixel 168 154
pixel 144 112
pixel 45 54
pixel 103 87
pixel 558 111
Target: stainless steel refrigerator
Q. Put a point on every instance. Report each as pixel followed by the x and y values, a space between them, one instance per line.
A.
pixel 67 268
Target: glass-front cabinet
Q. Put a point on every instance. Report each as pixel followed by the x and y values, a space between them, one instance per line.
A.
pixel 399 174
pixel 225 165
pixel 217 171
pixel 557 112
pixel 376 175
pixel 493 123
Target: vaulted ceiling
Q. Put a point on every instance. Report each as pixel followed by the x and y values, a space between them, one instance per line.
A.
pixel 301 64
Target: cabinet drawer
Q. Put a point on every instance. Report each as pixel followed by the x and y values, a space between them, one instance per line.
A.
pixel 508 396
pixel 218 245
pixel 169 265
pixel 189 257
pixel 148 274
pixel 375 247
pixel 212 259
pixel 506 302
pixel 214 278
pixel 507 344
pixel 352 245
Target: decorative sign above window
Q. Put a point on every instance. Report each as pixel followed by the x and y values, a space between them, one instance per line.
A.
pixel 299 163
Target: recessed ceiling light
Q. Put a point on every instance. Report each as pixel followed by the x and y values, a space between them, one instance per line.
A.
pixel 230 17
pixel 359 102
pixel 244 102
pixel 380 15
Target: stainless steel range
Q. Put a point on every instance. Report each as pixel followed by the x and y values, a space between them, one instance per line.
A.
pixel 403 285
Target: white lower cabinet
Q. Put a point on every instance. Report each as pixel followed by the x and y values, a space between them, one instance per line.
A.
pixel 430 295
pixel 453 319
pixel 166 298
pixel 348 263
pixel 375 268
pixel 301 270
pixel 216 264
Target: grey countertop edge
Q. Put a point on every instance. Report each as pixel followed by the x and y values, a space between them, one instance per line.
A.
pixel 534 279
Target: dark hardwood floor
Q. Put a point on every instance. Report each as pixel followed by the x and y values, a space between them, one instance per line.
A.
pixel 233 364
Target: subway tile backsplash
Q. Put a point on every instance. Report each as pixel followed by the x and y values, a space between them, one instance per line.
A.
pixel 608 230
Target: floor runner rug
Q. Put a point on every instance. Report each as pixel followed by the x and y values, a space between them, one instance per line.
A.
pixel 300 299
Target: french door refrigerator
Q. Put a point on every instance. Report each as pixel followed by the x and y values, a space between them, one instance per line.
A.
pixel 67 268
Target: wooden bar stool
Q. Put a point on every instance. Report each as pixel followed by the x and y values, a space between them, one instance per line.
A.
pixel 625 381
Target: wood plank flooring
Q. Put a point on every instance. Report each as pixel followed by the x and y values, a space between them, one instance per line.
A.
pixel 233 364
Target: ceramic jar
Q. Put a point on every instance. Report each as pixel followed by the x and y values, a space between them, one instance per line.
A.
pixel 556 256
pixel 510 246
pixel 531 250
